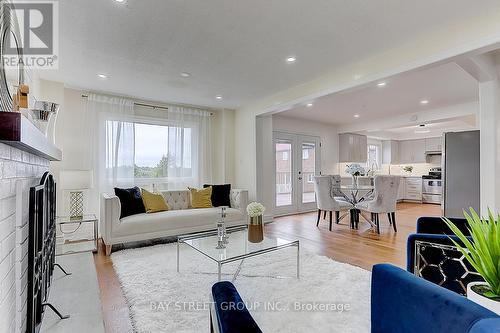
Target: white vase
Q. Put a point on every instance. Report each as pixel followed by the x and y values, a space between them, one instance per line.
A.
pixel 490 304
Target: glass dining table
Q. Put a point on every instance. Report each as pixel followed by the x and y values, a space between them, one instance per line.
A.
pixel 355 194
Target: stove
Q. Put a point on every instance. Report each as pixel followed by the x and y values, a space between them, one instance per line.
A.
pixel 432 187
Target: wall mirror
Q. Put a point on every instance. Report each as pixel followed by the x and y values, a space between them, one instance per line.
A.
pixel 11 68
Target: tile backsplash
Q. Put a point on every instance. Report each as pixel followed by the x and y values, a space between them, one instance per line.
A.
pixel 419 169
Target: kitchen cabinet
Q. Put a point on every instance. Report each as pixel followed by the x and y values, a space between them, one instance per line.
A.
pixel 402 189
pixel 390 152
pixel 412 151
pixel 413 189
pixel 353 148
pixel 433 144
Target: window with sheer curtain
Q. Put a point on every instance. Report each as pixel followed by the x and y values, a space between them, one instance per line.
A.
pixel 161 153
pixel 156 149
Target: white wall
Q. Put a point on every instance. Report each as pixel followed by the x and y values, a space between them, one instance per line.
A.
pixel 72 136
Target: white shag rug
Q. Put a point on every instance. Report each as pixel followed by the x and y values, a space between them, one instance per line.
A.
pixel 329 297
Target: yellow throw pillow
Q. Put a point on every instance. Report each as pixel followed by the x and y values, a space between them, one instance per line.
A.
pixel 153 202
pixel 201 198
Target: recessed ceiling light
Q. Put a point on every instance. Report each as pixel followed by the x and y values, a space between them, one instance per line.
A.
pixel 422 129
pixel 102 76
pixel 423 102
pixel 381 84
pixel 185 74
pixel 356 116
pixel 309 105
pixel 120 1
pixel 291 60
pixel 218 97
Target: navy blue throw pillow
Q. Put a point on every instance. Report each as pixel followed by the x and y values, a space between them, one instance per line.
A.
pixel 131 201
pixel 220 195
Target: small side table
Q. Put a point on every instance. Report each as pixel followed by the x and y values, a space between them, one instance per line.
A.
pixel 76 235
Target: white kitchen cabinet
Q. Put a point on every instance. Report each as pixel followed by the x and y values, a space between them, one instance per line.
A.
pixel 402 189
pixel 353 148
pixel 390 152
pixel 412 151
pixel 405 152
pixel 433 144
pixel 413 189
pixel 419 151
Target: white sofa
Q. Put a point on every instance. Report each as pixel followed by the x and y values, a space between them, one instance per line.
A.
pixel 180 219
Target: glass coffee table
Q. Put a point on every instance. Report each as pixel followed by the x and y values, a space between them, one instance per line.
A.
pixel 237 248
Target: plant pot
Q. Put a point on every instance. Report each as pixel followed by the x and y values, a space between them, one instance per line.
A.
pixel 255 229
pixel 486 302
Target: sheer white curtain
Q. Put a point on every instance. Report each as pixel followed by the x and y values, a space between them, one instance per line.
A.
pixel 165 148
pixel 190 146
pixel 112 136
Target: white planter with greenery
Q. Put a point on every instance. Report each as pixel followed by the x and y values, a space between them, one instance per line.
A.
pixel 483 253
pixel 484 301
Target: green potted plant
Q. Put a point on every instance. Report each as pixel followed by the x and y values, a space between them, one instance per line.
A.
pixel 408 169
pixel 482 251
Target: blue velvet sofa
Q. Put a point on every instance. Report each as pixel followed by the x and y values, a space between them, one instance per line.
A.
pixel 229 313
pixel 404 303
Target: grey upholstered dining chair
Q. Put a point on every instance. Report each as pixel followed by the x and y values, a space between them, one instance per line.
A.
pixel 323 188
pixel 384 200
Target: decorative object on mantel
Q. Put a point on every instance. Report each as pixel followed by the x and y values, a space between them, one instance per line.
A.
pixel 17 131
pixel 408 169
pixel 221 230
pixel 255 211
pixel 20 98
pixel 76 181
pixel 44 113
pixel 355 170
pixel 483 253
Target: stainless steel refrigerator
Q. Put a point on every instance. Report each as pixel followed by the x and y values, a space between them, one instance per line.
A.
pixel 460 173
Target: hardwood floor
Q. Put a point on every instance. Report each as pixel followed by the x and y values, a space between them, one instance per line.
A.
pixel 362 247
pixel 114 307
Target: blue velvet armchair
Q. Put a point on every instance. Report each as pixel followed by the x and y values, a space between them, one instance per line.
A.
pixel 404 303
pixel 229 313
pixel 432 255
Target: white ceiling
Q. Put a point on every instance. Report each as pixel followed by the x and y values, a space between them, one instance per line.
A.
pixel 435 129
pixel 442 86
pixel 235 48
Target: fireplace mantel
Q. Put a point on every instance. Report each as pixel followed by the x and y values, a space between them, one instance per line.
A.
pixel 19 132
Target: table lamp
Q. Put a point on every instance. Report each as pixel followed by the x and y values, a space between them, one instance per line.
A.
pixel 76 181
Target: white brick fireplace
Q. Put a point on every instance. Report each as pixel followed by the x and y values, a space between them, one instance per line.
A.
pixel 19 170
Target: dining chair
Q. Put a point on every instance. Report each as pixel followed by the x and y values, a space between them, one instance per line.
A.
pixel 325 200
pixel 384 200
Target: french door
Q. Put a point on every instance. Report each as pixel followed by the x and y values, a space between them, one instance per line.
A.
pixel 297 161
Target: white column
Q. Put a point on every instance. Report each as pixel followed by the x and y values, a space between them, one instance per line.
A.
pixel 485 70
pixel 265 164
pixel 489 117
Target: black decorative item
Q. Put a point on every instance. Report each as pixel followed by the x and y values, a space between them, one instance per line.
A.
pixel 41 251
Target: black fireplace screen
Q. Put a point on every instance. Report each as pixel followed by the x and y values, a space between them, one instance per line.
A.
pixel 42 245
